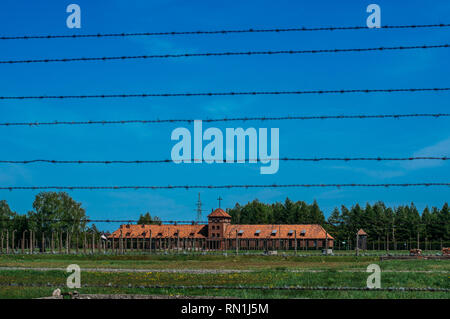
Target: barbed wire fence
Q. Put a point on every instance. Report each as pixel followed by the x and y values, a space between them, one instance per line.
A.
pixel 63 241
pixel 69 236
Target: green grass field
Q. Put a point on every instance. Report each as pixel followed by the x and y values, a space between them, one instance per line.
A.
pixel 209 270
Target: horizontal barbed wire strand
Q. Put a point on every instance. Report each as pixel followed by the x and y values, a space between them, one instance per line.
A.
pixel 187 187
pixel 210 32
pixel 88 220
pixel 299 159
pixel 235 53
pixel 244 119
pixel 239 287
pixel 237 93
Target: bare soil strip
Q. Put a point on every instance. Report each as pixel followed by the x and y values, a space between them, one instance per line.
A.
pixel 206 271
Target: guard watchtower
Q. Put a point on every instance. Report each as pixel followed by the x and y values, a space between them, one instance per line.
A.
pixel 362 239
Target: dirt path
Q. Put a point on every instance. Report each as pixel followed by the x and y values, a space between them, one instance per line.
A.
pixel 208 271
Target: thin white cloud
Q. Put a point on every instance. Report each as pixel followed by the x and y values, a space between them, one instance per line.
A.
pixel 439 149
pixel 376 173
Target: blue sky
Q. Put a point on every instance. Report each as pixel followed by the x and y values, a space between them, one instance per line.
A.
pixel 395 69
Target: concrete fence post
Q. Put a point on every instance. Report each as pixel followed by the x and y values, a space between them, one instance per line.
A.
pixel 67 242
pixel 60 246
pixel 77 248
pixel 93 243
pixel 121 243
pixel 31 242
pixel 237 243
pixel 357 244
pixel 23 241
pixel 150 242
pixel 295 243
pixel 13 241
pixel 84 243
pixel 7 241
pixel 52 243
pixel 42 242
pixel 1 240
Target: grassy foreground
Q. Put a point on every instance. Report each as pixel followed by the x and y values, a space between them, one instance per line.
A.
pixel 259 271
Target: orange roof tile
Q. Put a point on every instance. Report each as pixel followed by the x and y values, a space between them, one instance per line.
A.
pixel 277 231
pixel 161 231
pixel 219 212
pixel 201 231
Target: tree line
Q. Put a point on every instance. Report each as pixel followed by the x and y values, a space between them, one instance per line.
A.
pixel 58 212
pixel 55 212
pixel 401 224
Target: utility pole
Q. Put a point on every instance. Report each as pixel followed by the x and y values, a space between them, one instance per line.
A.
pixel 199 209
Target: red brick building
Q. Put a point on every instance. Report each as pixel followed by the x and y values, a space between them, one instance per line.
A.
pixel 220 234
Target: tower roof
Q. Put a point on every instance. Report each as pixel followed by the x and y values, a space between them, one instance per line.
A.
pixel 219 212
pixel 361 232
